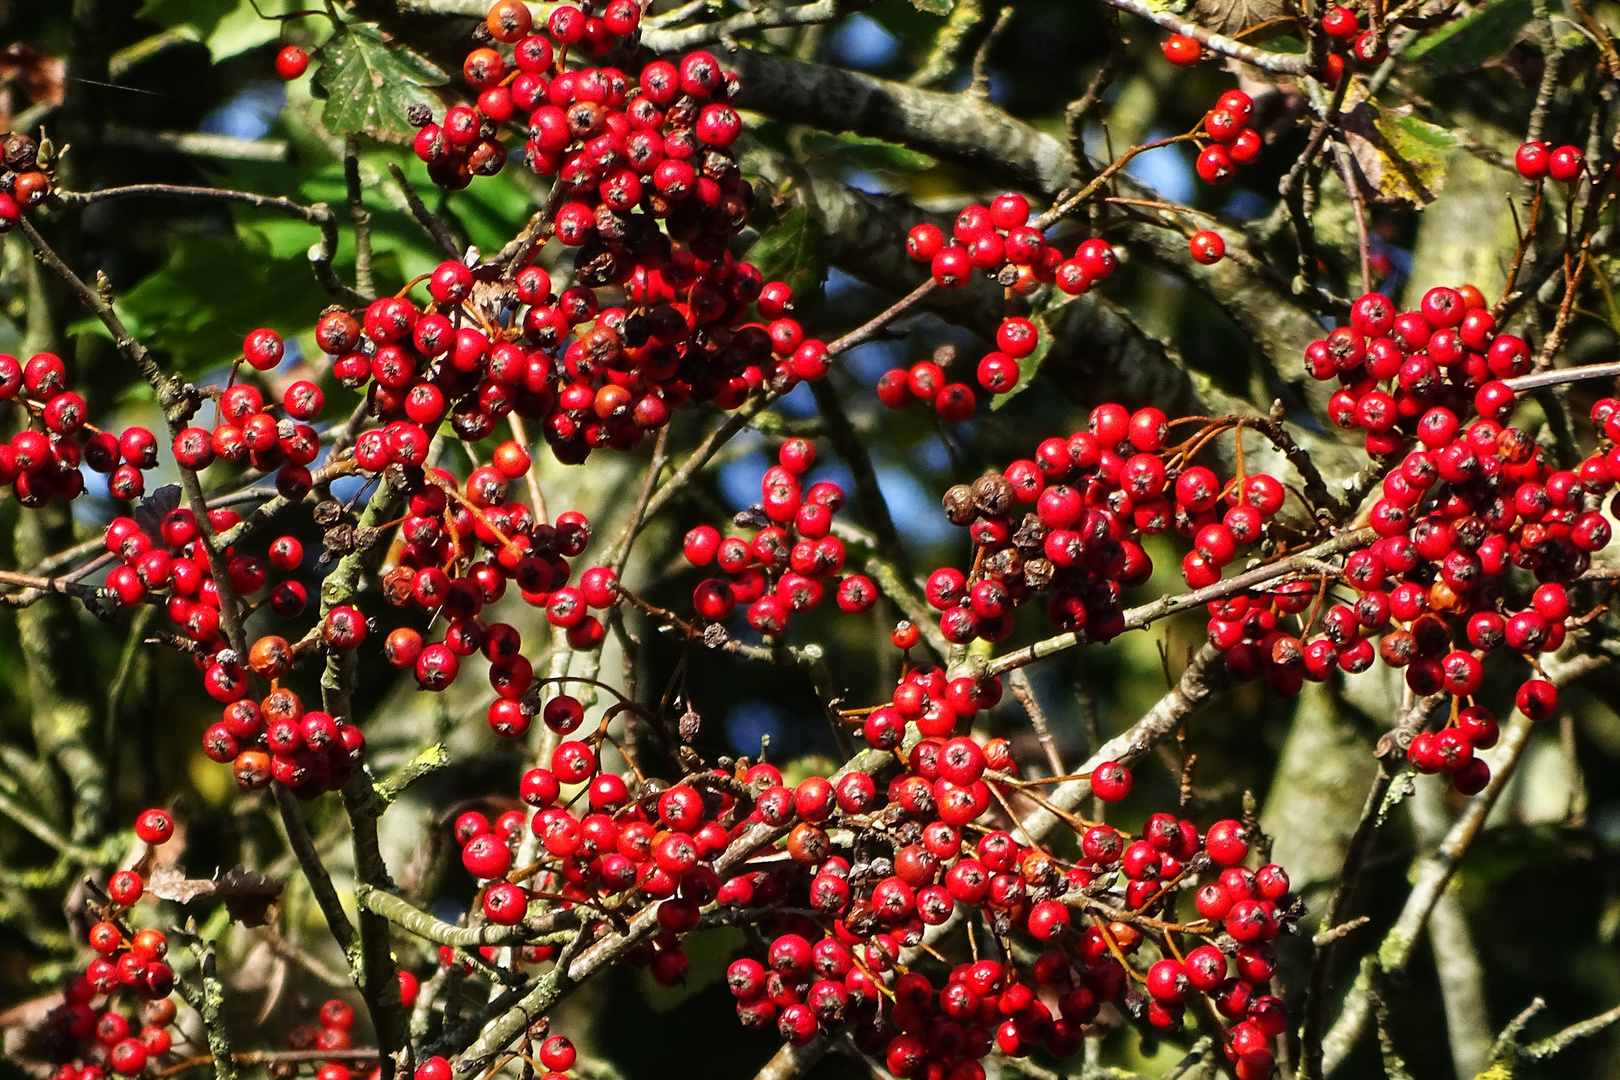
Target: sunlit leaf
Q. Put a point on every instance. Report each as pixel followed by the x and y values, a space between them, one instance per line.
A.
pixel 1484 34
pixel 1398 157
pixel 195 311
pixel 369 81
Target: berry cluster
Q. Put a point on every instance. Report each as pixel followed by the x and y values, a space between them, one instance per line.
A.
pixel 92 1033
pixel 786 565
pixel 247 427
pixel 556 1055
pixel 1343 28
pixel 1003 242
pixel 25 178
pixel 1095 495
pixel 42 463
pixel 1414 373
pixel 1565 164
pixel 1232 141
pixel 463 544
pixel 333 1030
pixel 650 201
pixel 912 866
pixel 907 860
pixel 273 738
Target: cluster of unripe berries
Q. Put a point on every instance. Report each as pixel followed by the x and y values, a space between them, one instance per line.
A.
pixel 787 565
pixel 41 463
pixel 92 1033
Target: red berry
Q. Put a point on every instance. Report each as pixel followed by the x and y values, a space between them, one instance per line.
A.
pixel 1208 247
pixel 291 62
pixel 1566 164
pixel 1340 23
pixel 1110 781
pixel 1214 165
pixel 1532 160
pixel 1181 50
pixel 263 349
pixel 154 826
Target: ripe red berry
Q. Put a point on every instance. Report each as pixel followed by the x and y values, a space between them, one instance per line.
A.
pixel 263 349
pixel 1181 50
pixel 291 62
pixel 1110 781
pixel 1566 164
pixel 1207 247
pixel 154 826
pixel 1340 23
pixel 1214 165
pixel 1532 160
pixel 125 887
pixel 557 1053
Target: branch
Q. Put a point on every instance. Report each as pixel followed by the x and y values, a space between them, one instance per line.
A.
pixel 1560 376
pixel 172 395
pixel 430 221
pixel 1431 876
pixel 960 127
pixel 1280 63
pixel 765 16
pixel 1144 615
pixel 1198 685
pixel 359 217
pixel 317 214
pixel 309 859
pixel 212 1007
pixel 413 920
pixel 869 500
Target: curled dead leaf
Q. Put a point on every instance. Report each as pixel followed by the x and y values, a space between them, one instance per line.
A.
pixel 247 894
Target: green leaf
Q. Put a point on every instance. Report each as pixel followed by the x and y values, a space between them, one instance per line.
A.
pixel 1398 157
pixel 860 152
pixel 369 80
pixel 227 29
pixel 196 310
pixel 1031 364
pixel 934 7
pixel 1483 35
pixel 794 250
